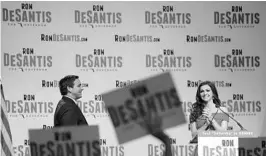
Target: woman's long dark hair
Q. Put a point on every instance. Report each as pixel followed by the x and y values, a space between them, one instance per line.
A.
pixel 199 105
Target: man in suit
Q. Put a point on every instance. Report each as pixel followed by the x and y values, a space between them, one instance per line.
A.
pixel 67 112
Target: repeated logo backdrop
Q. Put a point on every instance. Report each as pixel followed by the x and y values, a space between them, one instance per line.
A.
pixel 115 44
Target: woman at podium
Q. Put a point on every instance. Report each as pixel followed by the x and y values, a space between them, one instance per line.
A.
pixel 207 113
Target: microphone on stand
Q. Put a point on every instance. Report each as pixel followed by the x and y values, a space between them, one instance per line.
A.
pixel 242 128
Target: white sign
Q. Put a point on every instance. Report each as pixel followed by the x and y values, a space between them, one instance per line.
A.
pixel 212 143
pixel 81 141
pixel 128 106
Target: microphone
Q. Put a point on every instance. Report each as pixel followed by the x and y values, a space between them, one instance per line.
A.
pixel 242 128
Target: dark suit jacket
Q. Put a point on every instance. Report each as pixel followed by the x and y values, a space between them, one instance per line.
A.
pixel 68 113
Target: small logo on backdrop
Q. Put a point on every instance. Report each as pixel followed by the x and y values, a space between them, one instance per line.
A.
pixel 176 148
pixel 187 107
pixel 26 16
pixel 47 127
pixel 29 107
pixel 236 62
pixel 27 61
pixel 49 83
pixel 207 39
pixel 236 17
pixel 240 106
pixel 94 108
pixel 108 149
pixel 99 62
pixel 97 17
pixel 167 17
pixel 62 38
pixel 23 149
pixel 168 61
pixel 55 84
pixel 134 38
pixel 121 84
pixel 218 83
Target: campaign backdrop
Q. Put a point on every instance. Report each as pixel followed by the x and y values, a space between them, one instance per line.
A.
pixel 115 44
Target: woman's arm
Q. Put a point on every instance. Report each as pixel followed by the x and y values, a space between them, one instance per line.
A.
pixel 195 131
pixel 224 124
pixel 222 127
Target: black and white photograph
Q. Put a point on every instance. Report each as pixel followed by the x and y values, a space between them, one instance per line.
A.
pixel 133 78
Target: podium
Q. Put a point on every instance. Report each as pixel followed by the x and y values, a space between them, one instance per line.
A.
pixel 212 143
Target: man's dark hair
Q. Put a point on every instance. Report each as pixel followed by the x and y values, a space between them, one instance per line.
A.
pixel 67 81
